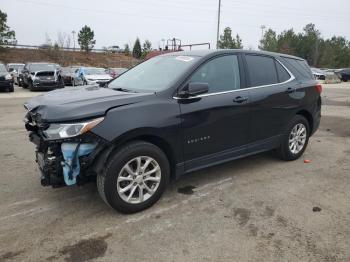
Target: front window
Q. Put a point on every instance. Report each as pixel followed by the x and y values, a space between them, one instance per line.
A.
pixel 95 71
pixel 221 73
pixel 155 74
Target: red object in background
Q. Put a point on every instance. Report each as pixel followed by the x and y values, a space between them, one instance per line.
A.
pixel 113 74
pixel 306 161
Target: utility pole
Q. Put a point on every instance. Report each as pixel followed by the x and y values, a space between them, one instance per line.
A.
pixel 218 30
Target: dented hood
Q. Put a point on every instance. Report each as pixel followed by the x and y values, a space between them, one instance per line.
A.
pixel 74 103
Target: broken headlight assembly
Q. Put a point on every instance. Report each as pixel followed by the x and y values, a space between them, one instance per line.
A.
pixel 67 130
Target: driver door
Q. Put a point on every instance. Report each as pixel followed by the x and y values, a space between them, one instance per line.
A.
pixel 215 125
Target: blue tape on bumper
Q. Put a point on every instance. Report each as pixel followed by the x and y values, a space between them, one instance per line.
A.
pixel 71 165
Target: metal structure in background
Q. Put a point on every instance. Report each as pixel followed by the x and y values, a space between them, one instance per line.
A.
pixel 262 31
pixel 218 29
pixel 174 42
pixel 73 33
pixel 191 45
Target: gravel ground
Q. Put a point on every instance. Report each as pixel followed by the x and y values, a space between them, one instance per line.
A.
pixel 255 209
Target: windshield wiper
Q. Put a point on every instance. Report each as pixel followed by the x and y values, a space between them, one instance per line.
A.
pixel 123 89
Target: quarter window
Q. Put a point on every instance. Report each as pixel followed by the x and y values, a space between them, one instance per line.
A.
pixel 222 74
pixel 262 70
pixel 283 75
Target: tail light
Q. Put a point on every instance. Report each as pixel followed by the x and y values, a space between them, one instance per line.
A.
pixel 319 88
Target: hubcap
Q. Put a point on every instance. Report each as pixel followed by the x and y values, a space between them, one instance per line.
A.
pixel 139 179
pixel 297 138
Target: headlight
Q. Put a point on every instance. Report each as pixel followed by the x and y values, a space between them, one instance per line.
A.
pixel 59 131
pixel 8 77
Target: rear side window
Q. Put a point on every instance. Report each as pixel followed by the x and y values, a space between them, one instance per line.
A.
pixel 262 70
pixel 283 75
pixel 301 67
pixel 222 74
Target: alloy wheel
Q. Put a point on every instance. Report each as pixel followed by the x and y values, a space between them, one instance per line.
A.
pixel 139 179
pixel 297 138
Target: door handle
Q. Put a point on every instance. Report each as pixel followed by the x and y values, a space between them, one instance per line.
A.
pixel 240 99
pixel 290 90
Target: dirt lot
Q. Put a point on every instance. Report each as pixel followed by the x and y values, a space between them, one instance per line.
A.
pixel 255 209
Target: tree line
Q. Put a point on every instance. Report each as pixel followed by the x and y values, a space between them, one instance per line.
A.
pixel 309 44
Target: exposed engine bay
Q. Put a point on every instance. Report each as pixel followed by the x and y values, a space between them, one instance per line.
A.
pixel 63 161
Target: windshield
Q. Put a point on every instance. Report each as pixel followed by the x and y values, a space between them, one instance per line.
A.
pixel 42 67
pixel 3 68
pixel 155 74
pixel 67 70
pixel 17 67
pixel 95 71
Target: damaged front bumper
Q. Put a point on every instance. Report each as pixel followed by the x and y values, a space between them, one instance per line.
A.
pixel 65 161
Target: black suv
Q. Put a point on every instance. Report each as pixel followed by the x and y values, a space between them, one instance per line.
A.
pixel 42 76
pixel 171 115
pixel 6 81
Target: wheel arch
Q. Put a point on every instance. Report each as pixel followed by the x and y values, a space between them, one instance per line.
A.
pixel 154 139
pixel 308 117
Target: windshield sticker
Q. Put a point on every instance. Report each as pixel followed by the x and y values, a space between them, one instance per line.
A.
pixel 184 58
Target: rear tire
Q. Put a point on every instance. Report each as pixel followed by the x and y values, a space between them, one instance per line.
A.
pixel 295 139
pixel 135 177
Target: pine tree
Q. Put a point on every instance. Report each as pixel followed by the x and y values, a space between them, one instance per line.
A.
pixel 228 42
pixel 146 48
pixel 126 49
pixel 136 51
pixel 86 39
pixel 6 35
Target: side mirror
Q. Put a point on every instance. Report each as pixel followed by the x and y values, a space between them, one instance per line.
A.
pixel 194 89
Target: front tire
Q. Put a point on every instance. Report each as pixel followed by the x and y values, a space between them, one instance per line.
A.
pixel 295 139
pixel 135 177
pixel 31 86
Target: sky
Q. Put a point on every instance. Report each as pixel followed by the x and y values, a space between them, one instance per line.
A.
pixel 117 22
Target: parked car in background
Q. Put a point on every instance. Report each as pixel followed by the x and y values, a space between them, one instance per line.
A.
pixel 6 82
pixel 115 72
pixel 343 74
pixel 42 76
pixel 170 115
pixel 318 73
pixel 115 49
pixel 15 70
pixel 93 75
pixel 68 74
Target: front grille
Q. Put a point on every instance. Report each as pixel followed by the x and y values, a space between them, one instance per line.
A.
pixel 2 78
pixel 46 78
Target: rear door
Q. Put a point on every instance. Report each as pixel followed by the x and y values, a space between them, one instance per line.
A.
pixel 215 122
pixel 273 95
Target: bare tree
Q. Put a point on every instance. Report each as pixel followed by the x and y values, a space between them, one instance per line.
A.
pixel 68 41
pixel 48 39
pixel 61 39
